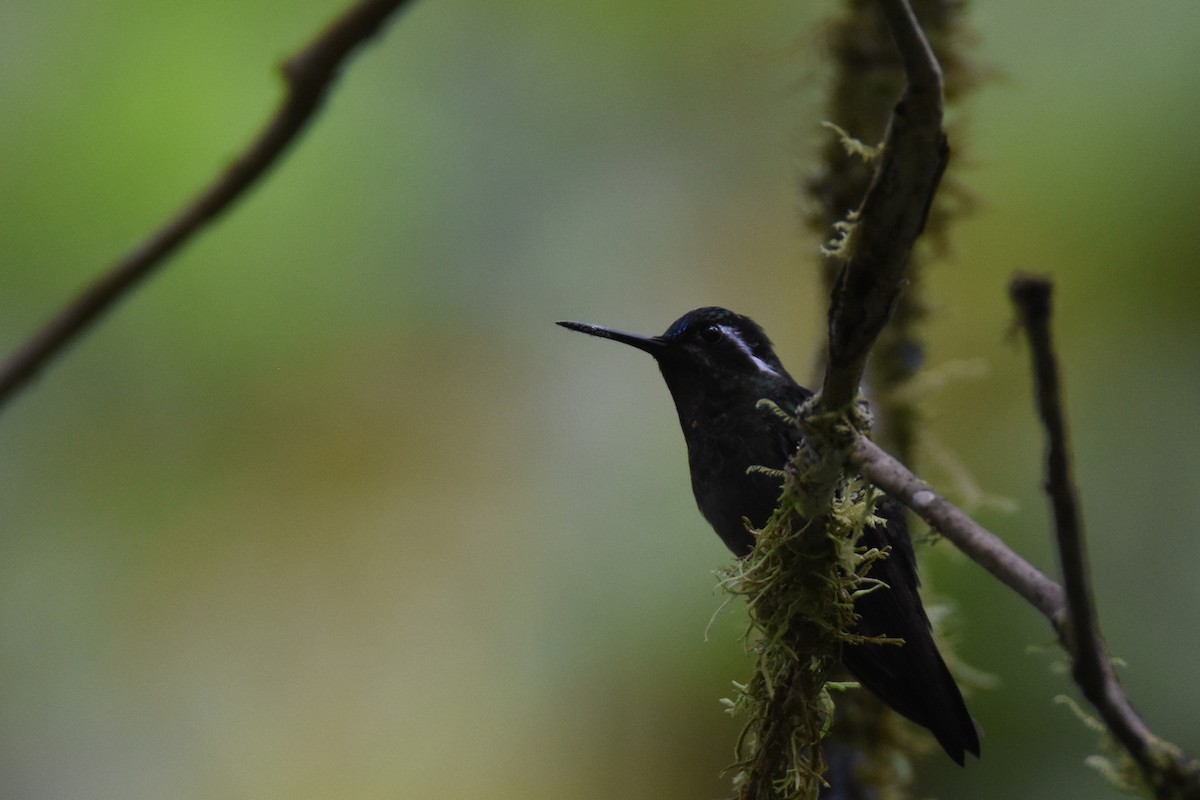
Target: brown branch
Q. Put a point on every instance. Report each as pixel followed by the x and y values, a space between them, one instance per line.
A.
pixel 868 79
pixel 1169 773
pixel 876 243
pixel 309 74
pixel 796 579
pixel 878 239
pixel 875 247
pixel 1032 299
pixel 984 547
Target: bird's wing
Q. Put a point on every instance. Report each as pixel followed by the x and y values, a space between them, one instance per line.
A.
pixel 911 678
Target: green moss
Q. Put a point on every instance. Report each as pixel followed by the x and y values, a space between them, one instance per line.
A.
pixel 800 584
pixel 1112 762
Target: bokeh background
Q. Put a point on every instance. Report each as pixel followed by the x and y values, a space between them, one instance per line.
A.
pixel 330 508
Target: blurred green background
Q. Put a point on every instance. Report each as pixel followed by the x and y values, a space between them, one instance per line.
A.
pixel 330 508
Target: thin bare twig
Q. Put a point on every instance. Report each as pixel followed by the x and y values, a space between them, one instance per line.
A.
pixel 1032 299
pixel 1169 773
pixel 309 74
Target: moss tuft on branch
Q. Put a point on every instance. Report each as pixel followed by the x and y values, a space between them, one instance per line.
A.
pixel 800 584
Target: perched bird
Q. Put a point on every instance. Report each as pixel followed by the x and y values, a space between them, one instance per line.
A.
pixel 718 365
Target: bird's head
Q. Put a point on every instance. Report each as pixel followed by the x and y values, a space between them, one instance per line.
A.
pixel 706 351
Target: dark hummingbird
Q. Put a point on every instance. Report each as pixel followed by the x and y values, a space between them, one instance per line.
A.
pixel 718 365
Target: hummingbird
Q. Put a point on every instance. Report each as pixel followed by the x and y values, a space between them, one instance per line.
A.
pixel 717 366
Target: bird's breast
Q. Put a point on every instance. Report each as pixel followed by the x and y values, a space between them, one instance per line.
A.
pixel 721 453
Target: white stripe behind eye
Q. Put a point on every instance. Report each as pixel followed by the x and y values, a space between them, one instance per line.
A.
pixel 736 338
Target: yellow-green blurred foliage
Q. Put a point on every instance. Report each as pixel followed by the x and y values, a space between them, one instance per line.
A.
pixel 330 508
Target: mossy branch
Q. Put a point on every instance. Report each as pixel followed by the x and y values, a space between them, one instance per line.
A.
pixel 868 77
pixel 800 584
pixel 878 239
pixel 807 568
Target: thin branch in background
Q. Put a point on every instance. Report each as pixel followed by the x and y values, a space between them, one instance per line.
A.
pixel 1032 298
pixel 309 74
pixel 1168 772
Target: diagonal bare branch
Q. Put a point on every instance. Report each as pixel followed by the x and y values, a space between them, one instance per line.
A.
pixel 986 548
pixel 309 75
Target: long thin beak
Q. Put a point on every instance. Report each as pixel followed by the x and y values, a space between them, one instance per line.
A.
pixel 650 344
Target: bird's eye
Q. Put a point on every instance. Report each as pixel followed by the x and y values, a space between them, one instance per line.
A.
pixel 711 334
